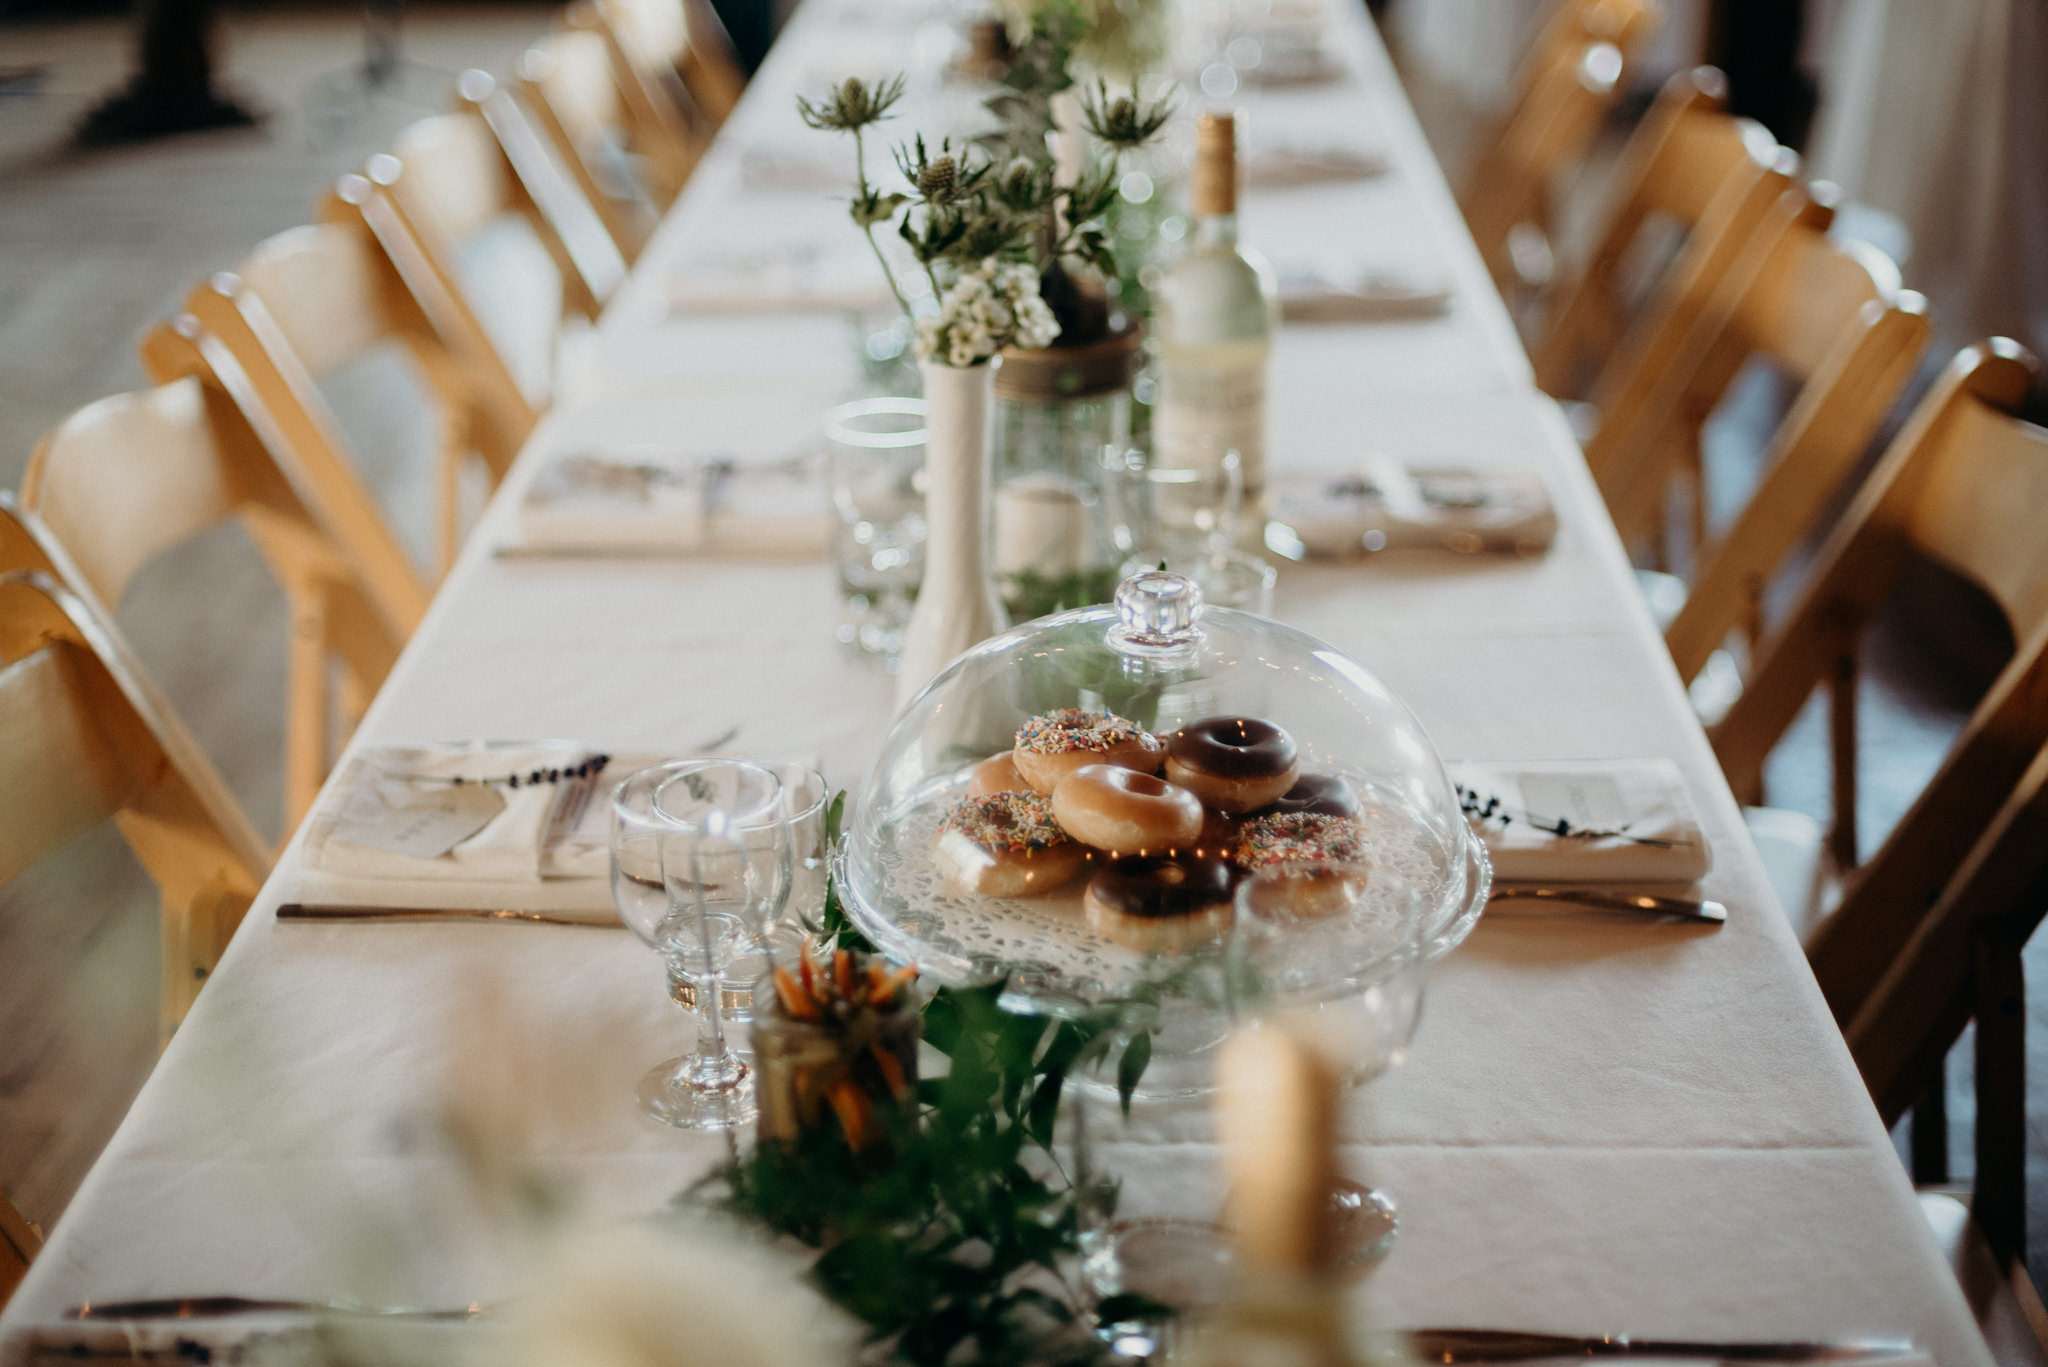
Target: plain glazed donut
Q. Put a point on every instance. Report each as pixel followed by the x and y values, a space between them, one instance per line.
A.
pixel 1120 810
pixel 1161 905
pixel 1305 892
pixel 1235 764
pixel 1054 744
pixel 997 774
pixel 1006 845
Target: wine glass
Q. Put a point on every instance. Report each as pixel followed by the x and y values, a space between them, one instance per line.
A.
pixel 681 1091
pixel 725 860
pixel 1333 953
pixel 804 797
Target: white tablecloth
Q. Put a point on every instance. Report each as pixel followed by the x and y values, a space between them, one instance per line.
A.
pixel 1601 1128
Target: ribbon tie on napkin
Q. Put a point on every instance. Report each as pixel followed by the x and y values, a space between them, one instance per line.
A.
pixel 1585 821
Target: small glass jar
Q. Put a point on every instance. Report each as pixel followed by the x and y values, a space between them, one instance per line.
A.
pixel 1062 432
pixel 855 1078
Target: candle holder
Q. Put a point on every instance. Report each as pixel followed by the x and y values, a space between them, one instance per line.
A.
pixel 835 1053
pixel 1062 434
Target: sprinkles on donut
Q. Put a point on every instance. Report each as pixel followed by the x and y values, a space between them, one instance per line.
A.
pixel 1054 744
pixel 1006 845
pixel 1300 838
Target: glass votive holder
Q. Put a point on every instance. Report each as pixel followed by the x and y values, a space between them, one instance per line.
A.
pixel 875 449
pixel 846 1078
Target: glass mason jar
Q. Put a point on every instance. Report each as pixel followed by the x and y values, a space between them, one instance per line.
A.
pixel 854 1078
pixel 1062 431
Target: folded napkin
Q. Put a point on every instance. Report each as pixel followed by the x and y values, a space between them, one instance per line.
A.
pixel 1279 165
pixel 715 504
pixel 1381 505
pixel 1585 821
pixel 395 830
pixel 1312 296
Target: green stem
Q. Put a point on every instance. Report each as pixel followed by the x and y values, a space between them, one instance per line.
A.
pixel 860 171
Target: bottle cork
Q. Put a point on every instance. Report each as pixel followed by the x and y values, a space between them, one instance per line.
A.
pixel 1215 187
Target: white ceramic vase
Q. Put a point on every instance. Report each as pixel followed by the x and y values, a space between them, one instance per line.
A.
pixel 957 607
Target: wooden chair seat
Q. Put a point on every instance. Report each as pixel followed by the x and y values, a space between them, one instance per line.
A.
pixel 1928 932
pixel 84 738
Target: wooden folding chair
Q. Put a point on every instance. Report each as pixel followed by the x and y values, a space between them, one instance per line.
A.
pixel 84 737
pixel 665 130
pixel 678 49
pixel 1928 932
pixel 1689 166
pixel 126 478
pixel 1564 88
pixel 569 85
pixel 313 299
pixel 1832 315
pixel 20 1241
pixel 458 174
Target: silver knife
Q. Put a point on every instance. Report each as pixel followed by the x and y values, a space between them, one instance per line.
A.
pixel 1512 1345
pixel 223 1307
pixel 1674 908
pixel 299 911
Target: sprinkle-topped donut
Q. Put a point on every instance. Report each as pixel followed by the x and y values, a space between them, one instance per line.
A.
pixel 1054 744
pixel 1235 764
pixel 1300 838
pixel 1006 845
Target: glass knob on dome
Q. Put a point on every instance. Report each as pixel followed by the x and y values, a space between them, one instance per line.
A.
pixel 1157 612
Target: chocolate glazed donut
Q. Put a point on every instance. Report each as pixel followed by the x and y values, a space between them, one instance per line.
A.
pixel 1161 904
pixel 1235 764
pixel 1323 794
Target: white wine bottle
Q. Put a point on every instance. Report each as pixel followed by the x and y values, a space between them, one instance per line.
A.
pixel 1277 1118
pixel 1216 308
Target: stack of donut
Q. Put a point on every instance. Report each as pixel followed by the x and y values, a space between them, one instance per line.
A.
pixel 1083 789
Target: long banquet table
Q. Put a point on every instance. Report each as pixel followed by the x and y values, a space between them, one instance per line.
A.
pixel 1607 1127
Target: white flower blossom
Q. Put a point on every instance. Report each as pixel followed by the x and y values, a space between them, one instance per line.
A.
pixel 992 306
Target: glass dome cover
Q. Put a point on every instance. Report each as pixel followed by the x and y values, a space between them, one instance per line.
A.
pixel 1162 661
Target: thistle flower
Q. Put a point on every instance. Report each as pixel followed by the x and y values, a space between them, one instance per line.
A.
pixel 1125 121
pixel 938 180
pixel 853 106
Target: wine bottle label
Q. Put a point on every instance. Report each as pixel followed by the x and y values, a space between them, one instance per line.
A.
pixel 1203 412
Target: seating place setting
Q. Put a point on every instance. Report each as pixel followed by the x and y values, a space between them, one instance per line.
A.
pixel 1225 683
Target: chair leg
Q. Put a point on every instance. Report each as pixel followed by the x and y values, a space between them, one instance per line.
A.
pixel 2000 1203
pixel 1927 1132
pixel 1842 753
pixel 307 717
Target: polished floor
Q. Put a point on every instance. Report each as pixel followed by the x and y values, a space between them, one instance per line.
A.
pixel 99 244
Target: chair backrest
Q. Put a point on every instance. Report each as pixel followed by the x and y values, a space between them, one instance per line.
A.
pixel 1688 165
pixel 568 82
pixel 685 38
pixel 548 193
pixel 1964 484
pixel 85 737
pixel 126 478
pixel 316 297
pixel 1507 196
pixel 1830 314
pixel 665 131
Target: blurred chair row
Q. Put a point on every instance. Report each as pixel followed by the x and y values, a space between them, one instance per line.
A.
pixel 600 129
pixel 598 132
pixel 1713 255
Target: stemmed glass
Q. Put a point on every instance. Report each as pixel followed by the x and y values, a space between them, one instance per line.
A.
pixel 700 861
pixel 1187 520
pixel 1334 954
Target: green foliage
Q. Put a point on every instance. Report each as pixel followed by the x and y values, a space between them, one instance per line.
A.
pixel 1028 594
